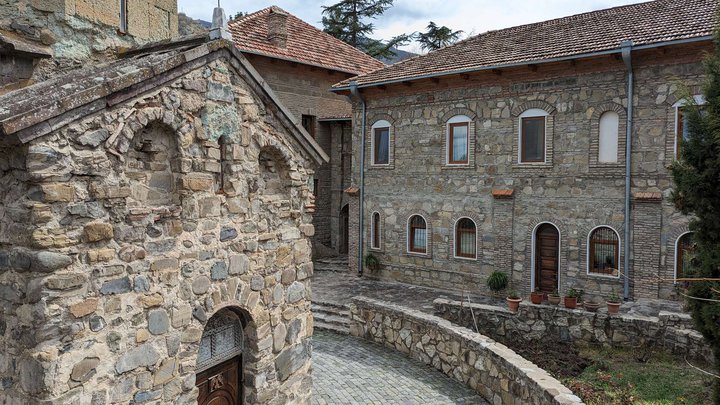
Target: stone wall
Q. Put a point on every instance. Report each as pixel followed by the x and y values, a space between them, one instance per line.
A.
pixel 494 371
pixel 123 232
pixel 671 332
pixel 572 191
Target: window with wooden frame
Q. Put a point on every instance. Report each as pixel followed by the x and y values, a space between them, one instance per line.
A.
pixel 381 146
pixel 465 238
pixel 532 139
pixel 123 28
pixel 417 235
pixel 681 122
pixel 683 255
pixel 603 252
pixel 457 143
pixel 375 231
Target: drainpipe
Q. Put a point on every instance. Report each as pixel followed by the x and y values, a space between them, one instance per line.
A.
pixel 627 58
pixel 361 215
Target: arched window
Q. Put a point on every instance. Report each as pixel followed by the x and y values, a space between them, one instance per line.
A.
pixel 532 136
pixel 380 141
pixel 458 131
pixel 683 255
pixel 603 251
pixel 375 231
pixel 417 234
pixel 465 238
pixel 222 339
pixel 608 143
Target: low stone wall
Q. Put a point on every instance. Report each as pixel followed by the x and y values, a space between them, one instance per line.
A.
pixel 493 370
pixel 670 331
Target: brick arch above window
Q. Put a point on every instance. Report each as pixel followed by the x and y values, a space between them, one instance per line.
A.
pixel 478 220
pixel 429 234
pixel 610 168
pixel 443 119
pixel 529 105
pixel 373 118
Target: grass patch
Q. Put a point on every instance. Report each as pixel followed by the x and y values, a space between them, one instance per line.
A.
pixel 617 376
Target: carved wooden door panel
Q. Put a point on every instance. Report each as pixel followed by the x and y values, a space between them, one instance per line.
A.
pixel 221 384
pixel 547 258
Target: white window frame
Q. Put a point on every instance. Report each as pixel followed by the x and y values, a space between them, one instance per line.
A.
pixel 427 236
pixel 677 244
pixel 532 113
pixel 587 254
pixel 372 230
pixel 377 125
pixel 458 119
pixel 455 241
pixel 699 100
pixel 124 21
pixel 617 138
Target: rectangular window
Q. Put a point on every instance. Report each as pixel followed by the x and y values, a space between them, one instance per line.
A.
pixel 308 122
pixel 315 187
pixel 532 140
pixel 381 146
pixel 458 143
pixel 123 16
pixel 376 231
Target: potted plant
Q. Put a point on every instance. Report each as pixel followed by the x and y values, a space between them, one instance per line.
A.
pixel 372 262
pixel 613 303
pixel 536 296
pixel 497 282
pixel 571 298
pixel 591 306
pixel 513 300
pixel 554 298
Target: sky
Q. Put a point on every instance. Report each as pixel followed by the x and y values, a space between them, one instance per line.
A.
pixel 406 16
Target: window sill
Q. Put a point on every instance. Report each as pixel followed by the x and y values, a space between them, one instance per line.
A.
pixel 465 259
pixel 599 275
pixel 381 167
pixel 532 166
pixel 464 166
pixel 376 250
pixel 418 254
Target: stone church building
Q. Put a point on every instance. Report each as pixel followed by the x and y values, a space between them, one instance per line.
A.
pixel 541 151
pixel 155 241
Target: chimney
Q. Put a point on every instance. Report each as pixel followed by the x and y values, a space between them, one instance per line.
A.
pixel 219 29
pixel 277 27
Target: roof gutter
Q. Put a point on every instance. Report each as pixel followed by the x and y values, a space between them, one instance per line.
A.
pixel 529 62
pixel 361 214
pixel 627 48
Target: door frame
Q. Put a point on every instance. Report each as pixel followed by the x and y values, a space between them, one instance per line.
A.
pixel 239 363
pixel 533 253
pixel 344 228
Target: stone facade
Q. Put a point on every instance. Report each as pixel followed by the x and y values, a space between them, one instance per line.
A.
pixel 304 90
pixel 507 200
pixel 490 368
pixel 126 229
pixel 671 332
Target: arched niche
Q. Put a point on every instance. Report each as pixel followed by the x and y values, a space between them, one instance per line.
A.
pixel 149 165
pixel 273 175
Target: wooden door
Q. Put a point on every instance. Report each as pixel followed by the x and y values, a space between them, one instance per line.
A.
pixel 221 384
pixel 344 230
pixel 547 258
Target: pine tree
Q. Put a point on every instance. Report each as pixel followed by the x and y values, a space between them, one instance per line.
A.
pixel 347 21
pixel 437 37
pixel 696 175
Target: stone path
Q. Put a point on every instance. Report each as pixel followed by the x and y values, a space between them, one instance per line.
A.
pixel 348 370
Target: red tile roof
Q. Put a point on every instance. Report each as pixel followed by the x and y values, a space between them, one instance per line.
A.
pixel 604 30
pixel 305 44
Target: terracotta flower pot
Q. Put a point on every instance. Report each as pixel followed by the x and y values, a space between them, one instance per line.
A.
pixel 571 302
pixel 554 299
pixel 514 304
pixel 536 297
pixel 613 307
pixel 591 306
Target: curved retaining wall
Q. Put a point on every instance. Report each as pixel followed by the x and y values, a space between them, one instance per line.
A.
pixel 493 370
pixel 669 331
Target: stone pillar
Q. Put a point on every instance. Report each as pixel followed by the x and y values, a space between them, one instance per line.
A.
pixel 646 239
pixel 503 202
pixel 353 227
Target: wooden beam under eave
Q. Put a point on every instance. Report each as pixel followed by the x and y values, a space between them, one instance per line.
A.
pixel 533 67
pixel 465 76
pixel 407 84
pixel 435 80
pixel 382 87
pixel 497 72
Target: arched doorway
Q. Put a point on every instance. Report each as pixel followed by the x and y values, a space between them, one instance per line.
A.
pixel 344 230
pixel 547 258
pixel 220 360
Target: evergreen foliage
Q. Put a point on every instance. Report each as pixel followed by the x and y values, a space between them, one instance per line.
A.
pixel 697 193
pixel 437 37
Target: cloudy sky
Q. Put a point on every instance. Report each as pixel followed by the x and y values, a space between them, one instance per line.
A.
pixel 470 16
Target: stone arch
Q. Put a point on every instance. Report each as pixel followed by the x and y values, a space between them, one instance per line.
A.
pixel 455 112
pixel 273 173
pixel 529 105
pixel 597 113
pixel 372 119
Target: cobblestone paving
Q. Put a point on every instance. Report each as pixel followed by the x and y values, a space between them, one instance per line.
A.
pixel 348 370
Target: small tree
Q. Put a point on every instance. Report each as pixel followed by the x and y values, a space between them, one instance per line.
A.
pixel 696 175
pixel 348 22
pixel 437 37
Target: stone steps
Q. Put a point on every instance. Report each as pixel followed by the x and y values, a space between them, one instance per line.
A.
pixel 331 317
pixel 334 264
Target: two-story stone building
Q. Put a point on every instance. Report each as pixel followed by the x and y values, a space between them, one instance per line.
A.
pixel 301 63
pixel 540 150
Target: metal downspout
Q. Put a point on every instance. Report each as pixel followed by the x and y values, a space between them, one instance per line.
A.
pixel 627 58
pixel 361 215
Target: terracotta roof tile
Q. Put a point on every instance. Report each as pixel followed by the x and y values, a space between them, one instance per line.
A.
pixel 352 190
pixel 604 30
pixel 503 193
pixel 647 196
pixel 305 44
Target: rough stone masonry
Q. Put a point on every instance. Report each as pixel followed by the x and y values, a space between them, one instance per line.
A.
pixel 141 198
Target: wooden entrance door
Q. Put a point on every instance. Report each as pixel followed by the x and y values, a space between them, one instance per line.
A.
pixel 344 230
pixel 547 258
pixel 221 384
